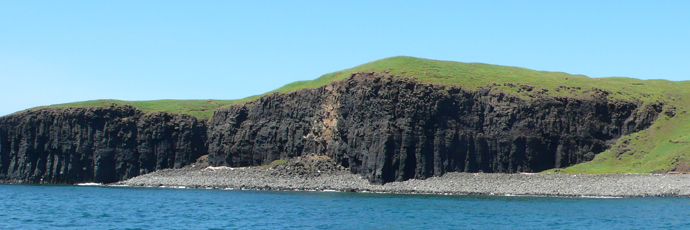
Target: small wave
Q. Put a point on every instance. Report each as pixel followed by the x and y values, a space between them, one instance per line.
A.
pixel 89 184
pixel 119 185
pixel 601 197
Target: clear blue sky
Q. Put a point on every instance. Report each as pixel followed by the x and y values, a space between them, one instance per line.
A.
pixel 64 51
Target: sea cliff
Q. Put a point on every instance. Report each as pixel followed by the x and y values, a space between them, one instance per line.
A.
pixel 104 144
pixel 393 129
pixel 382 127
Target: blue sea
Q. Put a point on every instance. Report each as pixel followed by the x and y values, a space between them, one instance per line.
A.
pixel 98 207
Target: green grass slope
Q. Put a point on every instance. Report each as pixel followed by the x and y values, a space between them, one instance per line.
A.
pixel 659 148
pixel 475 75
pixel 199 108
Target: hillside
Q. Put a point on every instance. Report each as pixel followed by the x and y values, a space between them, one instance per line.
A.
pixel 466 75
pixel 476 75
pixel 660 147
pixel 202 109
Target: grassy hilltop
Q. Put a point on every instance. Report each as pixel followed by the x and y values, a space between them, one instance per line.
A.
pixel 199 108
pixel 659 148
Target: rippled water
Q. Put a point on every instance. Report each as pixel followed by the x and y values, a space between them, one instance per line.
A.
pixel 79 207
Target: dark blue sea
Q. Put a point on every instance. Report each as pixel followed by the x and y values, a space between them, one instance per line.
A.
pixel 85 207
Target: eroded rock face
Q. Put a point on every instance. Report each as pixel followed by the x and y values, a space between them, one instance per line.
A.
pixel 394 129
pixel 72 145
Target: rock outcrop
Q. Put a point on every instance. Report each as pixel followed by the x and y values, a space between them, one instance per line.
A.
pixel 393 129
pixel 73 145
pixel 308 166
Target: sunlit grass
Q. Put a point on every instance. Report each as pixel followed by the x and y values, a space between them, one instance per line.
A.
pixel 199 108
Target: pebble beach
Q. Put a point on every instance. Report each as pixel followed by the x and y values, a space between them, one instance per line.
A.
pixel 317 176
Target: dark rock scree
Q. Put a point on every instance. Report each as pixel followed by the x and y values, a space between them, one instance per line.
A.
pixel 382 127
pixel 393 129
pixel 73 145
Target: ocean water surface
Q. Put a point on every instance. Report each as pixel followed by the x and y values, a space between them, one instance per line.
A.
pixel 97 207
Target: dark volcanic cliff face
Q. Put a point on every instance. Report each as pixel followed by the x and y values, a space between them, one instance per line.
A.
pixel 72 145
pixel 385 128
pixel 393 129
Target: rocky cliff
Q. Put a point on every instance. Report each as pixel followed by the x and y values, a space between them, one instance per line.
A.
pixel 383 127
pixel 393 129
pixel 72 145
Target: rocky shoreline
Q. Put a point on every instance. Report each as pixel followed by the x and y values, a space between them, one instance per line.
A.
pixel 311 173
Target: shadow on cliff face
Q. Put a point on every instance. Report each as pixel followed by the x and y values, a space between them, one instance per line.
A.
pixel 394 129
pixel 73 145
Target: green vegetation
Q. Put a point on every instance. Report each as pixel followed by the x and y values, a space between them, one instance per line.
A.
pixel 198 108
pixel 659 148
pixel 475 75
pixel 273 163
